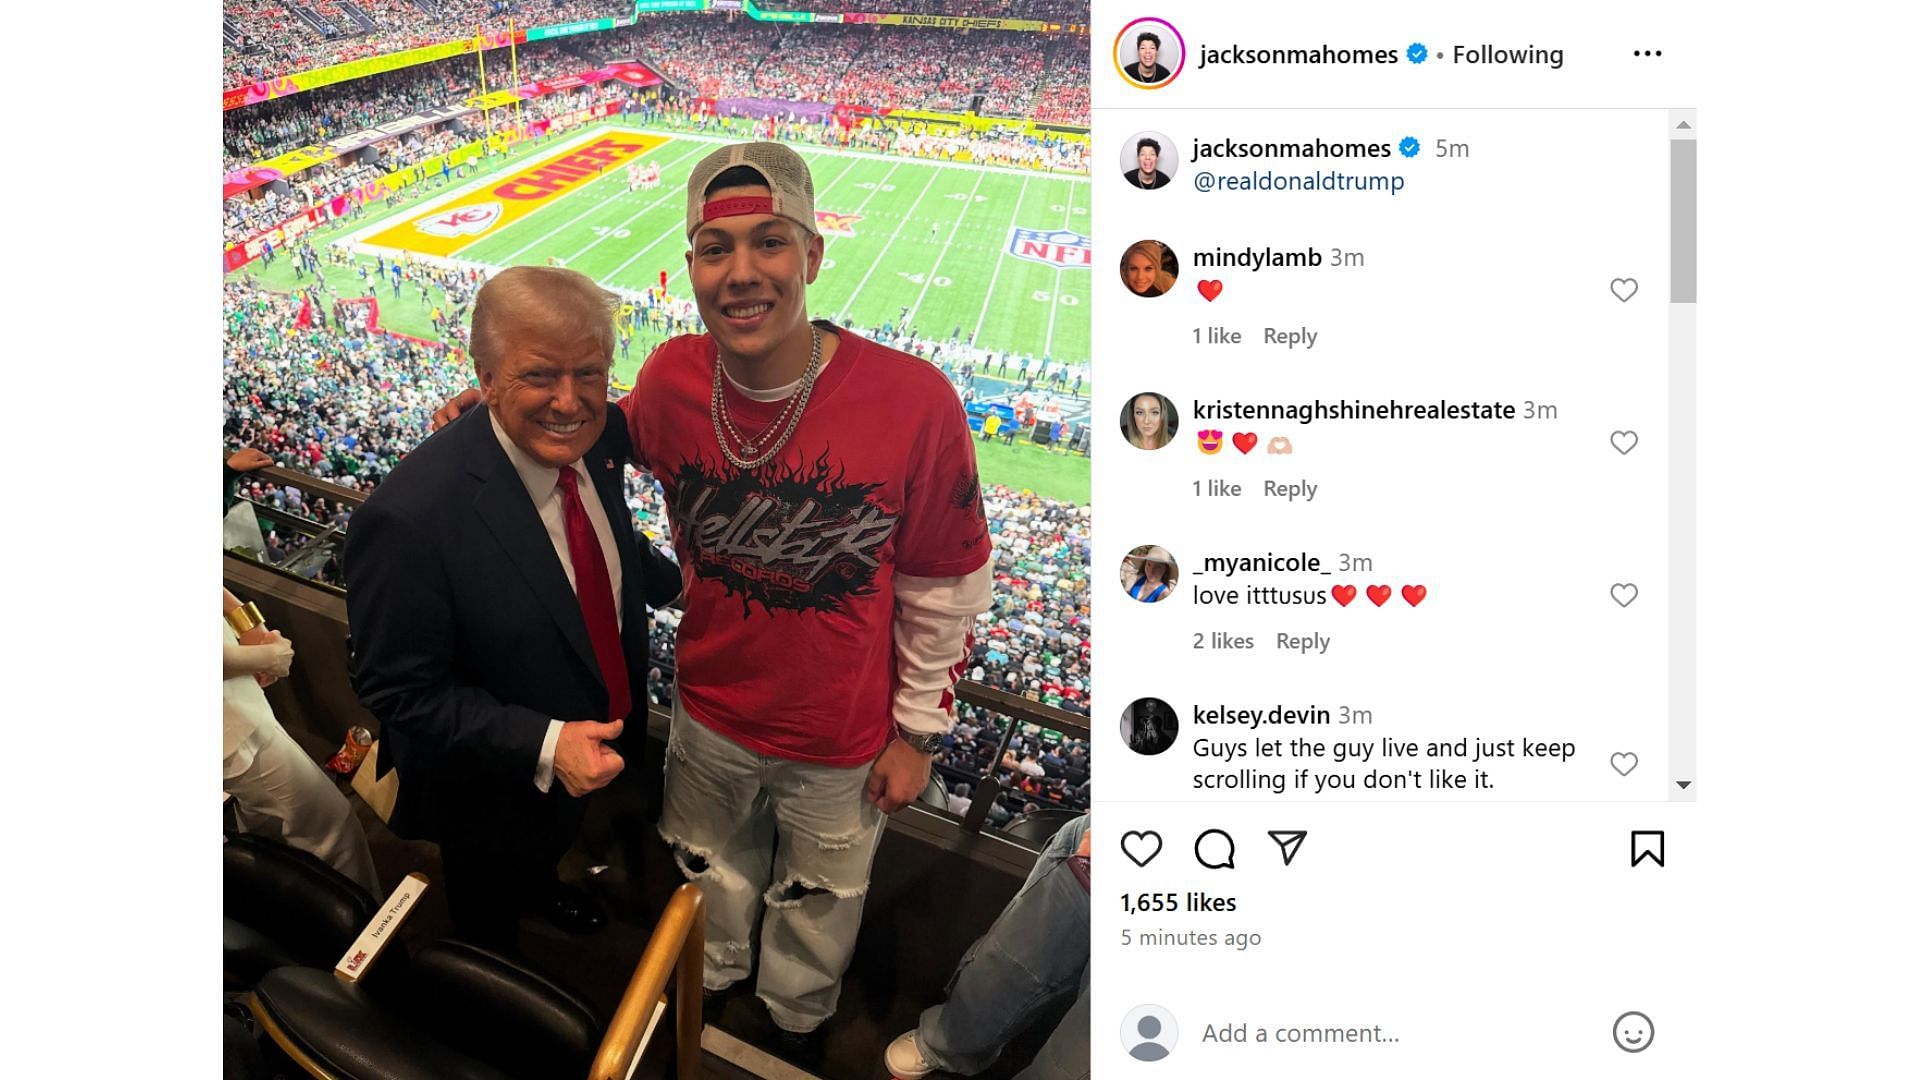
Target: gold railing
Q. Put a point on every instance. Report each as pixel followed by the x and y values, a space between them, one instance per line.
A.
pixel 676 949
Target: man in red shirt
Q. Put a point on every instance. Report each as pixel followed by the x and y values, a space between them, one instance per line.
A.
pixel 826 510
pixel 834 550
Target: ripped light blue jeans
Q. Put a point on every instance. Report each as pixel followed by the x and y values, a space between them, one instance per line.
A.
pixel 766 834
pixel 1035 954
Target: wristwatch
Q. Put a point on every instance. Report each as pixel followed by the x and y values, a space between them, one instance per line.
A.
pixel 926 744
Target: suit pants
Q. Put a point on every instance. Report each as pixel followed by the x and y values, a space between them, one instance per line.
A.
pixel 501 852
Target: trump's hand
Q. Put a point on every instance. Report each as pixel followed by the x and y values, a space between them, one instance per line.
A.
pixel 899 776
pixel 451 411
pixel 581 758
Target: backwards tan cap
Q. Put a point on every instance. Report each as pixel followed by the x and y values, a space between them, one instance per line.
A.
pixel 784 171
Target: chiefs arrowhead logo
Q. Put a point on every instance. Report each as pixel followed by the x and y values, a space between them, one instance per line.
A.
pixel 831 223
pixel 460 220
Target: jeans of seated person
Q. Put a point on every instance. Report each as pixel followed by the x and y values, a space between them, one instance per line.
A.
pixel 724 807
pixel 1036 953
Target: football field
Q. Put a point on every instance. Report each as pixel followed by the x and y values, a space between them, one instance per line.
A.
pixel 998 255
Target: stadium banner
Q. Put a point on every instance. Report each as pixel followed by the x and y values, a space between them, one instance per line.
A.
pixel 634 73
pixel 493 99
pixel 453 225
pixel 542 33
pixel 299 160
pixel 261 173
pixel 347 144
pixel 360 69
pixel 641 7
pixel 241 254
pixel 956 22
pixel 760 14
pixel 238 255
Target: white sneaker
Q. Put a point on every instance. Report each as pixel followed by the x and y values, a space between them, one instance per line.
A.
pixel 904 1059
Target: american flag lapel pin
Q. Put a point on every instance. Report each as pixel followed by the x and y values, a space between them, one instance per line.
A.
pixel 608 465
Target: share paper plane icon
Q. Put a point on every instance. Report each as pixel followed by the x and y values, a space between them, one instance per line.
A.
pixel 1289 841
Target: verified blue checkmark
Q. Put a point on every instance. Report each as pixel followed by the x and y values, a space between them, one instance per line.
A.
pixel 1409 147
pixel 1416 53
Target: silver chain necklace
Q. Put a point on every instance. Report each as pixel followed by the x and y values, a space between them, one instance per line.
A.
pixel 750 455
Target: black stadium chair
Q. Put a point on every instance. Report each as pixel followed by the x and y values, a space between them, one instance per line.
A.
pixel 1038 826
pixel 456 1011
pixel 284 907
pixel 460 1013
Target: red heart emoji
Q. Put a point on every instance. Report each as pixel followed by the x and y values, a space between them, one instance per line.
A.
pixel 1379 594
pixel 1210 288
pixel 1245 441
pixel 1413 594
pixel 1344 594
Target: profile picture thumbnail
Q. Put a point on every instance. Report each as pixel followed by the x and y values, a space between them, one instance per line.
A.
pixel 1149 53
pixel 1149 574
pixel 1149 421
pixel 1149 268
pixel 1150 726
pixel 1149 160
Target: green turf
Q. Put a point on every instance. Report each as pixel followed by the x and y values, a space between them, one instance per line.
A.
pixel 1026 467
pixel 930 239
pixel 959 276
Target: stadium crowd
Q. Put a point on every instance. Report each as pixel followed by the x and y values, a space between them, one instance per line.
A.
pixel 1012 73
pixel 246 216
pixel 1060 11
pixel 264 39
pixel 271 128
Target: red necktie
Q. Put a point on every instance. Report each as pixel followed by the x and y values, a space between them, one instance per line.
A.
pixel 595 589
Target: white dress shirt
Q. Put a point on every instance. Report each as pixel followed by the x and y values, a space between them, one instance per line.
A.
pixel 543 487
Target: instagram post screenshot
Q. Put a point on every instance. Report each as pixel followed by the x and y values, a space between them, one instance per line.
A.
pixel 1398 330
pixel 675 455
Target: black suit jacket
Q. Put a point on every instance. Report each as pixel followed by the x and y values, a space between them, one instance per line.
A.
pixel 466 637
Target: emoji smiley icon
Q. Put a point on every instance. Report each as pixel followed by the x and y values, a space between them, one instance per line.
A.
pixel 1210 441
pixel 1633 1032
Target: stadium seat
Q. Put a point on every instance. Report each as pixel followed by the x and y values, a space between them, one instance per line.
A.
pixel 460 1013
pixel 456 1011
pixel 283 906
pixel 1038 826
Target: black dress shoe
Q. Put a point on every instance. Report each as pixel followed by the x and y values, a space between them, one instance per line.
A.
pixel 571 909
pixel 802 1048
pixel 713 1003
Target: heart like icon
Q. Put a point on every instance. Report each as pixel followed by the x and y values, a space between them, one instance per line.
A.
pixel 1210 288
pixel 1413 594
pixel 1141 846
pixel 1625 762
pixel 1627 593
pixel 1624 288
pixel 1344 594
pixel 1279 444
pixel 1379 594
pixel 1625 441
pixel 1245 441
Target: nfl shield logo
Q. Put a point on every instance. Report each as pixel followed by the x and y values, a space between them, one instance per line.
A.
pixel 1062 248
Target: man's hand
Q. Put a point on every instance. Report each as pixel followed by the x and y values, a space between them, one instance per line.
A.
pixel 582 760
pixel 247 459
pixel 451 411
pixel 899 776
